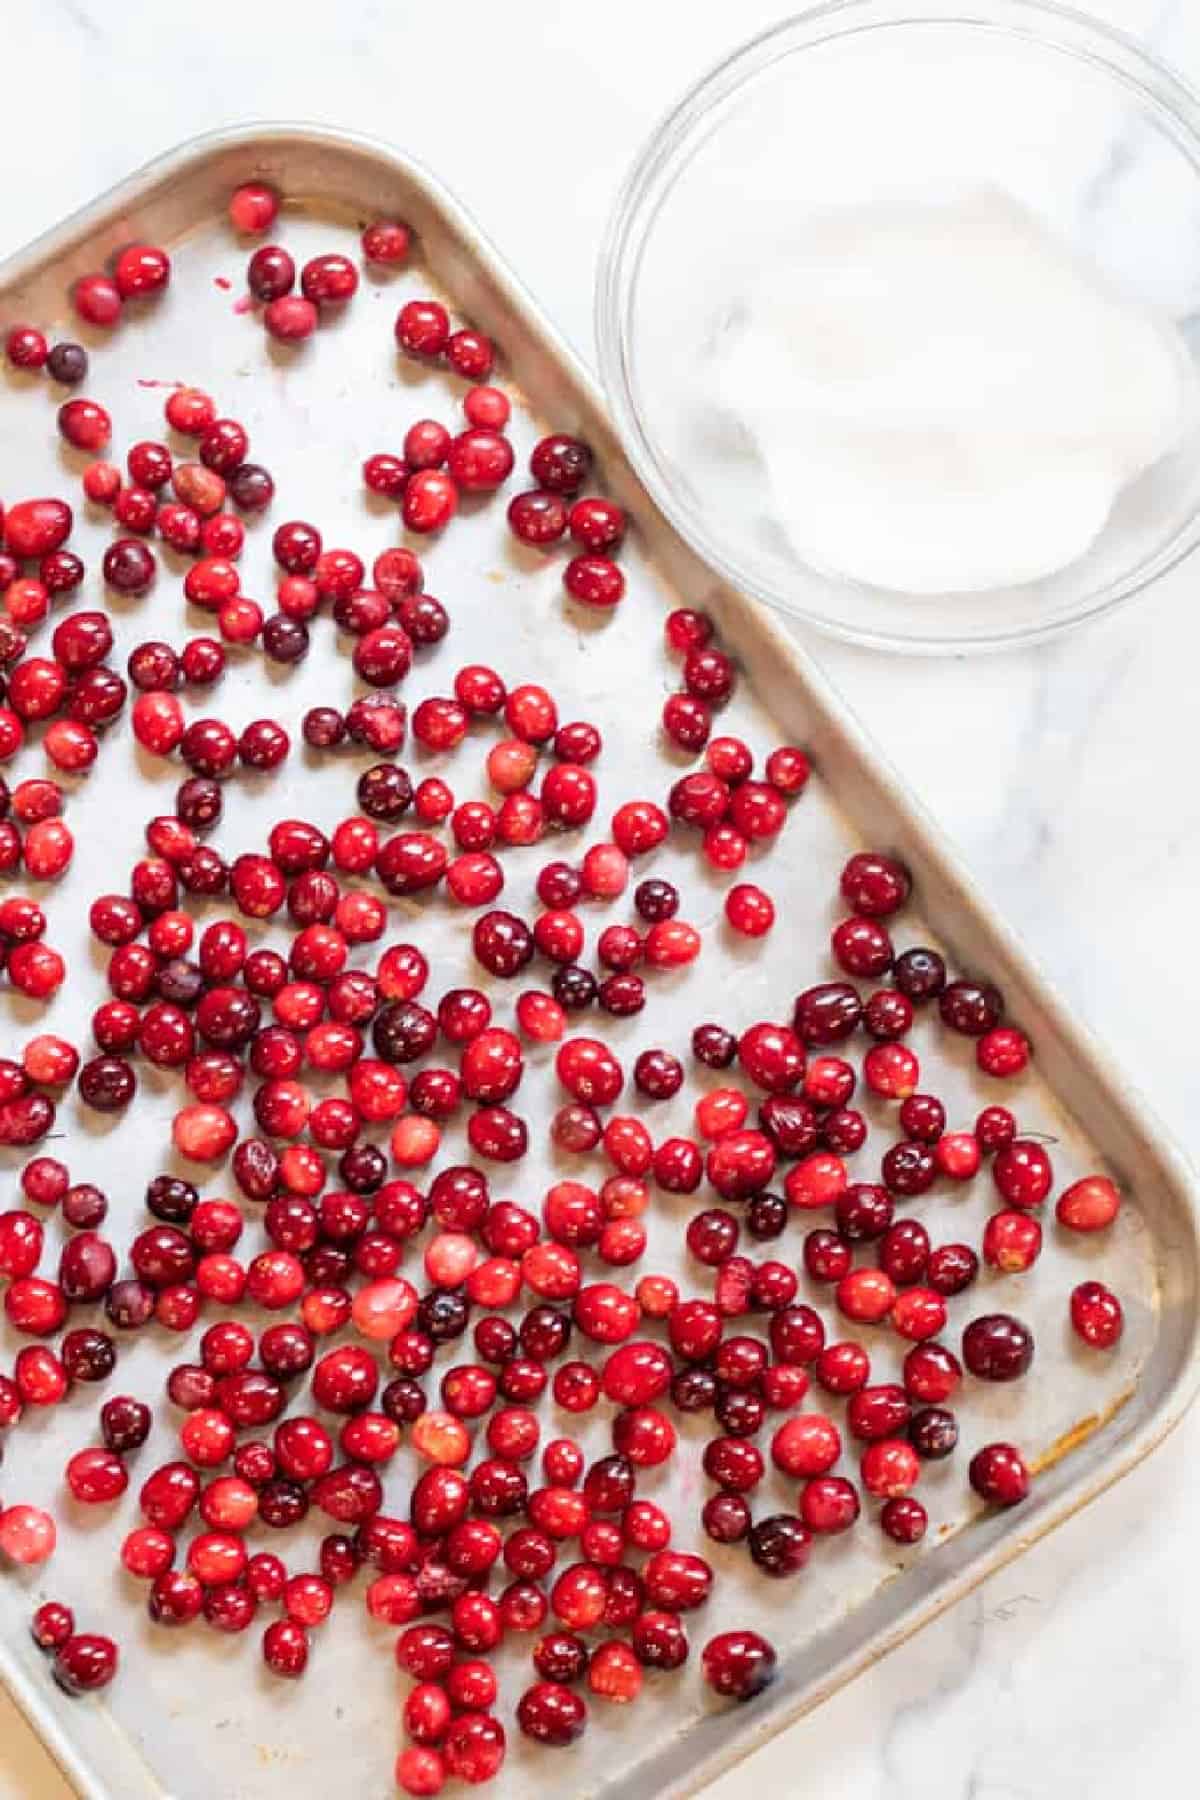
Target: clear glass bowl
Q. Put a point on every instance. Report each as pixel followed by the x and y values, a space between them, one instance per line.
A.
pixel 1073 119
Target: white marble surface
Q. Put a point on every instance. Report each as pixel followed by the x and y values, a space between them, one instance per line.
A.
pixel 1071 787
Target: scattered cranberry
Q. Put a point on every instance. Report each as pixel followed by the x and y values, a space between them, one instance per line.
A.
pixel 85 1663
pixel 1097 1315
pixel 1089 1205
pixel 998 1474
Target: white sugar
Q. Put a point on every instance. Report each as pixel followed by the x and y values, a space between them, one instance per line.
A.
pixel 942 396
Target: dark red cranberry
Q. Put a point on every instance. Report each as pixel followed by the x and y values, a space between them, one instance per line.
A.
pixel 997 1347
pixel 998 1474
pixel 970 1007
pixel 738 1664
pixel 920 974
pixel 779 1545
pixel 951 1268
pixel 933 1432
pixel 827 1014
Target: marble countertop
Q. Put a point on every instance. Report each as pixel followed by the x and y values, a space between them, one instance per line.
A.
pixel 1071 790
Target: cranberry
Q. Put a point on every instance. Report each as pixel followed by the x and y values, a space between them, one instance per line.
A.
pixel 285 1649
pixel 971 1008
pixel 933 1432
pixel 270 273
pixel 904 1520
pixel 863 1212
pixel 780 1545
pixel 26 347
pixel 950 1268
pixel 1097 1315
pixel 560 464
pixel 594 581
pixel 829 1504
pixel 826 1014
pixel 874 884
pixel 474 1747
pixel 253 207
pixel 67 363
pixel 140 270
pixel 84 1663
pixel 84 424
pixel 1023 1173
pixel 1089 1205
pixel 551 1714
pixel 386 243
pixel 749 910
pixel 738 1664
pixel 1012 1242
pixel 998 1474
pixel 52 1625
pixel 997 1347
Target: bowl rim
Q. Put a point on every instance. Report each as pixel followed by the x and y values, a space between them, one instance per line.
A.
pixel 1046 23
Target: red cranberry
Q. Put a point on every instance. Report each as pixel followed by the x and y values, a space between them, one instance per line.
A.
pixel 779 1545
pixel 997 1347
pixel 970 1008
pixel 1089 1205
pixel 85 1663
pixel 52 1625
pixel 1023 1173
pixel 738 1664
pixel 998 1474
pixel 551 1714
pixel 933 1432
pixel 1097 1315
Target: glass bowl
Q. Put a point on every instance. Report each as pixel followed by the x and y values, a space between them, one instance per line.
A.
pixel 1073 119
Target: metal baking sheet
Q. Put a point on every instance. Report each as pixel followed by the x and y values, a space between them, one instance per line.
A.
pixel 193 1715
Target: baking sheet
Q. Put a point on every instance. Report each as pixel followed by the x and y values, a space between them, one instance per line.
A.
pixel 193 1714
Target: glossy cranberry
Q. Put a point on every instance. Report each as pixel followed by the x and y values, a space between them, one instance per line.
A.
pixel 863 1212
pixel 779 1545
pixel 84 1663
pixel 874 884
pixel 1012 1242
pixel 998 1474
pixel 52 1625
pixel 931 1372
pixel 920 974
pixel 908 1169
pixel 861 947
pixel 594 581
pixel 904 1253
pixel 806 1445
pixel 738 1664
pixel 285 1649
pixel 827 1014
pixel 970 1008
pixel 551 1714
pixel 84 424
pixel 1023 1173
pixel 1096 1315
pixel 88 1355
pixel 951 1268
pixel 386 243
pixel 889 1467
pixel 829 1504
pixel 904 1520
pixel 1088 1205
pixel 997 1347
pixel 26 347
pixel 933 1432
